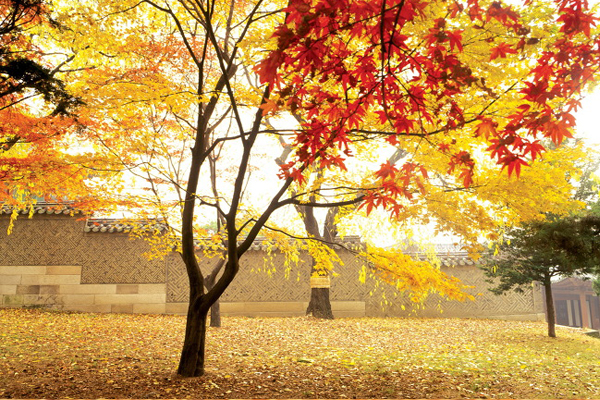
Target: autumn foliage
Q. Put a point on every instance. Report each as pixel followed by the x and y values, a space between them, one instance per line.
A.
pixel 411 107
pixel 39 126
pixel 338 63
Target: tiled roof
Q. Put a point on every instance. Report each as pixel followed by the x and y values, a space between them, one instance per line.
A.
pixel 109 225
pixel 261 243
pixel 461 259
pixel 446 257
pixel 42 208
pixel 114 225
pixel 573 283
pixel 449 254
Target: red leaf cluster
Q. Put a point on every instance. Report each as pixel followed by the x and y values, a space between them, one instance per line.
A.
pixel 410 82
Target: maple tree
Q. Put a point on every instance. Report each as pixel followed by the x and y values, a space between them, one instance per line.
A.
pixel 418 94
pixel 463 89
pixel 168 117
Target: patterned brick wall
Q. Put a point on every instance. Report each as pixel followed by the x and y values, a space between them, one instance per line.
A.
pixel 486 304
pixel 253 283
pixel 115 258
pixel 61 240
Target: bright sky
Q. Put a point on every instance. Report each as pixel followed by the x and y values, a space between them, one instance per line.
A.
pixel 588 118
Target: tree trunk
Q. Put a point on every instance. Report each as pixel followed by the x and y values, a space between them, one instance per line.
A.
pixel 215 314
pixel 550 313
pixel 191 363
pixel 319 305
pixel 209 283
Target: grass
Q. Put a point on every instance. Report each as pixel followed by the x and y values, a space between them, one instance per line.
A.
pixel 52 354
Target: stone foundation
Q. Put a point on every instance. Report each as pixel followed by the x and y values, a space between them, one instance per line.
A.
pixel 60 287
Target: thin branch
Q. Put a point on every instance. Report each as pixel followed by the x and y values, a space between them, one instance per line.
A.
pixel 322 205
pixel 314 239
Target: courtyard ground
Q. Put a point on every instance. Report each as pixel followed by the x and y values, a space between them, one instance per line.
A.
pixel 45 354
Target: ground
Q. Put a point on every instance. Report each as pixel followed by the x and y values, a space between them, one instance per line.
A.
pixel 53 354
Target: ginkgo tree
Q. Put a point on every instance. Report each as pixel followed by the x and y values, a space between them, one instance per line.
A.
pixel 450 84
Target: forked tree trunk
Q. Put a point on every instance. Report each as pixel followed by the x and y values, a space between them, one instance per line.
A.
pixel 192 359
pixel 319 305
pixel 191 363
pixel 550 313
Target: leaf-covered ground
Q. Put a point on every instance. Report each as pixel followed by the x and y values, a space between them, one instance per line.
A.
pixel 51 354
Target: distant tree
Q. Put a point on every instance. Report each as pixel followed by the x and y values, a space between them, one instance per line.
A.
pixel 541 250
pixel 596 285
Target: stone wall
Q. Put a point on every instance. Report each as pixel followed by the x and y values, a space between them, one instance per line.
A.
pixel 60 287
pixel 57 260
pixel 59 239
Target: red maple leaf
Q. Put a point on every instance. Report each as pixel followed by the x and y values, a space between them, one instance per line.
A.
pixel 387 170
pixel 557 131
pixel 455 38
pixel 501 51
pixel 514 163
pixel 486 128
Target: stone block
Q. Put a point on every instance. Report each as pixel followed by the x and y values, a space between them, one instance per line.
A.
pixel 10 279
pixel 350 306
pixel 36 299
pixel 49 289
pixel 130 298
pixel 11 300
pixel 8 289
pixel 127 289
pixel 78 299
pixel 176 308
pixel 88 289
pixel 50 279
pixel 22 270
pixel 63 270
pixel 96 308
pixel 28 289
pixel 152 288
pixel 122 308
pixel 149 308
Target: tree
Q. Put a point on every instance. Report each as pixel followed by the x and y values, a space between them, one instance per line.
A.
pixel 333 85
pixel 443 82
pixel 45 151
pixel 37 112
pixel 596 285
pixel 541 250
